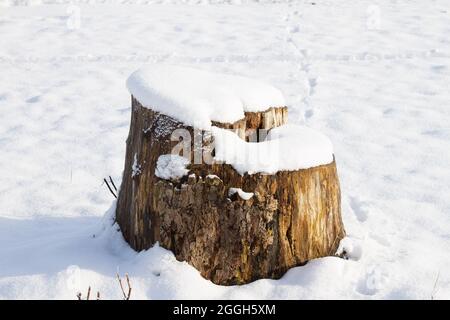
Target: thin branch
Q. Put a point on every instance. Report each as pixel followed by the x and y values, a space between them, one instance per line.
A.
pixel 129 286
pixel 121 286
pixel 112 182
pixel 128 295
pixel 88 296
pixel 110 190
pixel 435 285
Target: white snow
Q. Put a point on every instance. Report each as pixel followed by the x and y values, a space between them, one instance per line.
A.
pixel 212 176
pixel 244 195
pixel 196 97
pixel 171 167
pixel 381 95
pixel 287 148
pixel 349 249
pixel 135 168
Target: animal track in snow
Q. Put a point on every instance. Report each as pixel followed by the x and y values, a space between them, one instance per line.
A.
pixel 308 113
pixel 304 65
pixel 372 281
pixel 360 208
pixel 34 99
pixel 380 239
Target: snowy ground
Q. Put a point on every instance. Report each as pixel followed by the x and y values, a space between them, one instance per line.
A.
pixel 375 79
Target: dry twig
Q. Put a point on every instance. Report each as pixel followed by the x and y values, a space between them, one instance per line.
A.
pixel 110 190
pixel 88 295
pixel 435 289
pixel 112 182
pixel 126 296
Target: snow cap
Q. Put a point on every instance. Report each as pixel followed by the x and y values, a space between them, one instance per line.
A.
pixel 196 97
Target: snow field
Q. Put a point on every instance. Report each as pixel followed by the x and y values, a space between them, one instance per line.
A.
pixel 379 92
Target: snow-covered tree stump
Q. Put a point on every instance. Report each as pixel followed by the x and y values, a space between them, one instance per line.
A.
pixel 234 221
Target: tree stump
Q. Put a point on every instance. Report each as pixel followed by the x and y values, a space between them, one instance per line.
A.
pixel 204 217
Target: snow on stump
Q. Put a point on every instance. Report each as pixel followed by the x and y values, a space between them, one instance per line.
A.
pixel 214 174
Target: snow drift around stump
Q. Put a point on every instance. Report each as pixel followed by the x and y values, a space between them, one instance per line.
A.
pixel 197 97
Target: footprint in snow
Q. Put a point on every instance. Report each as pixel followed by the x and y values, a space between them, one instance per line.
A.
pixel 34 99
pixel 312 83
pixel 361 209
pixel 438 68
pixel 309 113
pixel 372 281
pixel 295 29
pixel 380 239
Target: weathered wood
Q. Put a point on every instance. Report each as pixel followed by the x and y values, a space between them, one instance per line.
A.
pixel 294 216
pixel 254 121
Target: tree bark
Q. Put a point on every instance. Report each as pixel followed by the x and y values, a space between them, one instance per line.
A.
pixel 293 217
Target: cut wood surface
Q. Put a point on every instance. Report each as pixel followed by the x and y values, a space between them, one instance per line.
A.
pixel 254 121
pixel 292 217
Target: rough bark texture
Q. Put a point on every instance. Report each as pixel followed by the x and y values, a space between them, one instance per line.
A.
pixel 293 217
